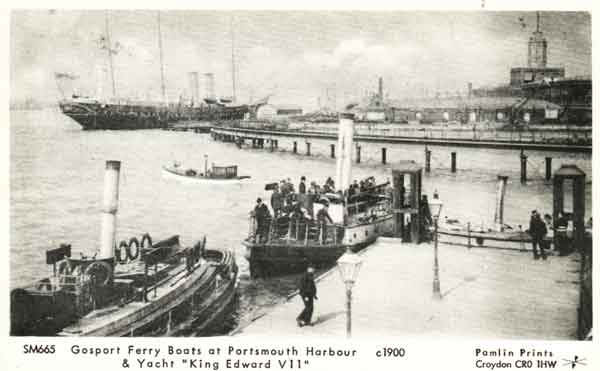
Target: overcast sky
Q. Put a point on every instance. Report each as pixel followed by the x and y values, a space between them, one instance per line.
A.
pixel 293 56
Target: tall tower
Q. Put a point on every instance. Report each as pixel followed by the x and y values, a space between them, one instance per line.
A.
pixel 537 55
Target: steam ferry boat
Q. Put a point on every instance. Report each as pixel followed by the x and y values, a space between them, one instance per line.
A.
pixel 295 239
pixel 135 288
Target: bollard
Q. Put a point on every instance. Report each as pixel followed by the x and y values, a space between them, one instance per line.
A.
pixel 453 162
pixel 548 168
pixel 383 156
pixel 332 150
pixel 523 167
pixel 358 154
pixel 295 149
pixel 427 160
pixel 307 148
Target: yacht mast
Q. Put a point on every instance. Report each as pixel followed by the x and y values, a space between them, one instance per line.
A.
pixel 162 69
pixel 232 62
pixel 110 53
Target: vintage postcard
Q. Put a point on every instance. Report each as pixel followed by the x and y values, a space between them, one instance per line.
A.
pixel 301 189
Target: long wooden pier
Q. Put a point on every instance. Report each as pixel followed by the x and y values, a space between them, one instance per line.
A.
pixel 486 293
pixel 236 134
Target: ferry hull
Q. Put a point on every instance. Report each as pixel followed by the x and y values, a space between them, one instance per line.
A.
pixel 290 256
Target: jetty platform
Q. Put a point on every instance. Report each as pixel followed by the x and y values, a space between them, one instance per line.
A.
pixel 486 294
pixel 233 133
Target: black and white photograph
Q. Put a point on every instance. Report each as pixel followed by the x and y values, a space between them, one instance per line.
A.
pixel 302 174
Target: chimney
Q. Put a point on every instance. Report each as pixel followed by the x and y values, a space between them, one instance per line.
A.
pixel 209 79
pixel 194 88
pixel 381 88
pixel 345 145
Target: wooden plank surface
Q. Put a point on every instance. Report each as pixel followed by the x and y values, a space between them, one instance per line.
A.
pixel 487 294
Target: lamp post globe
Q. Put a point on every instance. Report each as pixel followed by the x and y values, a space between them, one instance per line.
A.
pixel 436 208
pixel 349 266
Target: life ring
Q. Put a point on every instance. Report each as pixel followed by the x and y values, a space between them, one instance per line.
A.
pixel 133 242
pixel 146 237
pixel 101 271
pixel 119 252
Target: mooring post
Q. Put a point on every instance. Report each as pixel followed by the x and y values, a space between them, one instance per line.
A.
pixel 332 150
pixel 523 167
pixel 307 148
pixel 548 168
pixel 427 160
pixel 358 154
pixel 453 162
pixel 383 155
pixel 295 149
pixel 272 145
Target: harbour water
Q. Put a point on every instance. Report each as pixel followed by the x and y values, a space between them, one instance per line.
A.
pixel 56 177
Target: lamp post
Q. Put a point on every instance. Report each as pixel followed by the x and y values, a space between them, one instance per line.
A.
pixel 436 207
pixel 349 266
pixel 206 165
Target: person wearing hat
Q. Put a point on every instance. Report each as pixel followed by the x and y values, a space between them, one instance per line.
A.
pixel 276 202
pixel 302 185
pixel 322 218
pixel 308 292
pixel 537 231
pixel 262 215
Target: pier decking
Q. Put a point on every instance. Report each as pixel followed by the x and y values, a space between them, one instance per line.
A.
pixel 487 294
pixel 267 134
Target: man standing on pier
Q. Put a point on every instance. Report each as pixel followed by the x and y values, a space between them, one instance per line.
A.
pixel 308 292
pixel 537 230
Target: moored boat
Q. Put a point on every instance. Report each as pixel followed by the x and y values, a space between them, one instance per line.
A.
pixel 298 236
pixel 214 174
pixel 130 290
pixel 295 241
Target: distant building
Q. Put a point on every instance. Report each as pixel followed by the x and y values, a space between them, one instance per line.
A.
pixel 473 110
pixel 574 95
pixel 537 59
pixel 270 112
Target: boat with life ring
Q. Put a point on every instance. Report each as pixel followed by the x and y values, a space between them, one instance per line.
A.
pixel 212 175
pixel 137 287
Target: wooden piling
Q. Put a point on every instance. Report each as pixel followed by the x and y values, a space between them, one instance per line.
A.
pixel 427 160
pixel 453 162
pixel 358 154
pixel 307 148
pixel 523 167
pixel 332 150
pixel 295 149
pixel 384 155
pixel 548 168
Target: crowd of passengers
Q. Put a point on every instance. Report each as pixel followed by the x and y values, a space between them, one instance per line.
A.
pixel 285 201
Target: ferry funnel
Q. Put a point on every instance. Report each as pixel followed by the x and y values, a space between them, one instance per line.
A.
pixel 500 192
pixel 110 203
pixel 345 144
